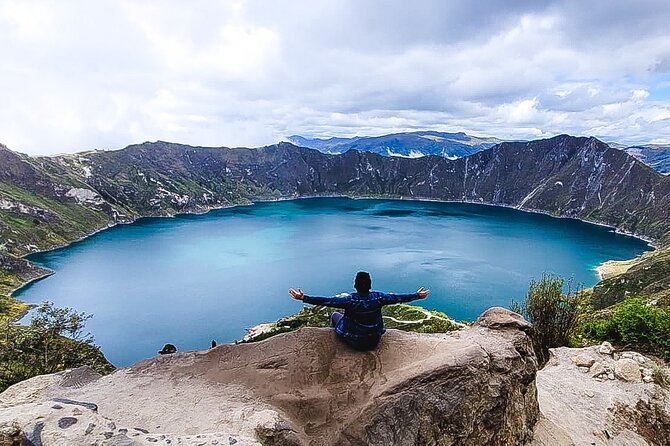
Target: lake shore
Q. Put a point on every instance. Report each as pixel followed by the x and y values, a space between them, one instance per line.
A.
pixel 606 269
pixel 612 268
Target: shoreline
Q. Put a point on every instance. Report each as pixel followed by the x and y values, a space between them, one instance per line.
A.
pixel 48 272
pixel 111 226
pixel 650 242
pixel 612 268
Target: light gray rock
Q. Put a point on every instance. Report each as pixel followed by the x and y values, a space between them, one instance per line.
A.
pixel 606 348
pixel 627 369
pixel 583 360
pixel 501 318
pixel 474 386
pixel 597 369
pixel 579 410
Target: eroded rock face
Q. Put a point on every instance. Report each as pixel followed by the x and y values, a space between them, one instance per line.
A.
pixel 474 386
pixel 608 406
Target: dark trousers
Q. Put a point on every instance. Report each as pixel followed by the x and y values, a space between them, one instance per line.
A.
pixel 335 318
pixel 363 344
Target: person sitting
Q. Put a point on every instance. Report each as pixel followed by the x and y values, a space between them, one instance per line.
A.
pixel 361 326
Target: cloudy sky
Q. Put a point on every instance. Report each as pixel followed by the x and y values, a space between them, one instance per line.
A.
pixel 78 75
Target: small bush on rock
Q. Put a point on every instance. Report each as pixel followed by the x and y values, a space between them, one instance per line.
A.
pixel 553 313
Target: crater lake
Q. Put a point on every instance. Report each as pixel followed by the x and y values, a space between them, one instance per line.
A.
pixel 195 278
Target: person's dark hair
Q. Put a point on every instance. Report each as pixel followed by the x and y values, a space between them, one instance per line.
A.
pixel 363 283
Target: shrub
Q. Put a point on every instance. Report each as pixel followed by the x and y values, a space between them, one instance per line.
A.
pixel 633 322
pixel 54 340
pixel 553 313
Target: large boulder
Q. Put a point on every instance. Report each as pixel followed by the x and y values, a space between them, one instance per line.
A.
pixel 474 386
pixel 627 370
pixel 596 409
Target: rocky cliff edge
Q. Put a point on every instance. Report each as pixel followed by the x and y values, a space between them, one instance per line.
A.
pixel 473 386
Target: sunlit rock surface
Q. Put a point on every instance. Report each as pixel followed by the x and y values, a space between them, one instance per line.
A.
pixel 472 386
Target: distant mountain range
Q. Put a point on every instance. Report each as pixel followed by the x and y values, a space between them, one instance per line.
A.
pixel 407 145
pixel 654 155
pixel 453 146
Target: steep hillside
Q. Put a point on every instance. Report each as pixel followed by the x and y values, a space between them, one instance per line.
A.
pixel 566 176
pixel 647 276
pixel 48 201
pixel 409 144
pixel 42 206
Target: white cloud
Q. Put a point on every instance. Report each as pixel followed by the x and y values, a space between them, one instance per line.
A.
pixel 640 95
pixel 78 75
pixel 521 112
pixel 29 20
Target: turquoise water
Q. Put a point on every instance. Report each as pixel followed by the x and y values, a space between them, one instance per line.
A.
pixel 191 279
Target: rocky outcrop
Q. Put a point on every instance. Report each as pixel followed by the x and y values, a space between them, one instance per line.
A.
pixel 473 386
pixel 605 403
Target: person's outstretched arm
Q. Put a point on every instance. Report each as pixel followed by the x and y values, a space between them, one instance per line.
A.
pixel 389 299
pixel 338 302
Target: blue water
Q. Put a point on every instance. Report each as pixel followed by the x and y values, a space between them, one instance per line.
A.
pixel 191 279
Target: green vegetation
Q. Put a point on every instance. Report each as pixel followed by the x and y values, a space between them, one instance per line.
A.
pixel 317 316
pixel 12 309
pixel 553 313
pixel 404 312
pixel 55 340
pixel 54 222
pixel 417 319
pixel 15 273
pixel 401 316
pixel 649 277
pixel 562 319
pixel 635 323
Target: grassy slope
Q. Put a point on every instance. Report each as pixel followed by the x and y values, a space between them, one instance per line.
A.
pixel 13 274
pixel 60 223
pixel 648 277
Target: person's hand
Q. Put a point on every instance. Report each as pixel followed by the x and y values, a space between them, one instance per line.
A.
pixel 297 295
pixel 422 293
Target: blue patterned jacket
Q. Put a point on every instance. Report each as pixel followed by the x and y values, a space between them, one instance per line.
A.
pixel 362 324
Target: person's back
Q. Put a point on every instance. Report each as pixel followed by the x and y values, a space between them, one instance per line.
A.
pixel 362 324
